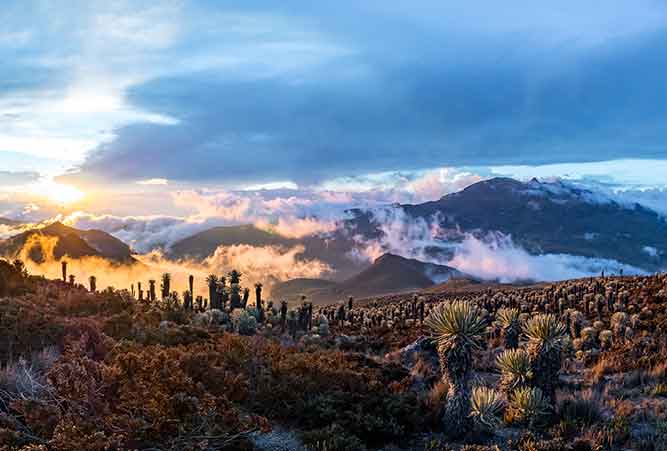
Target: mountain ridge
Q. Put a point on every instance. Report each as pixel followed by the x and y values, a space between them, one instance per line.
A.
pixel 388 273
pixel 72 242
pixel 549 217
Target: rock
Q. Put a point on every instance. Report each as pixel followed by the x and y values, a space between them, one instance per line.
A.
pixel 313 339
pixel 350 342
pixel 420 358
pixel 201 319
pixel 344 342
pixel 277 440
pixel 217 316
pixel 164 325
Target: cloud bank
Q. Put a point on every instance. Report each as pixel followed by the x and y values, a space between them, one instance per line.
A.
pixel 493 256
pixel 266 265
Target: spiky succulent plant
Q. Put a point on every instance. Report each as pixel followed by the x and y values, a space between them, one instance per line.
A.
pixel 457 323
pixel 515 368
pixel 510 320
pixel 619 321
pixel 546 331
pixel 458 328
pixel 605 338
pixel 546 337
pixel 486 408
pixel 528 405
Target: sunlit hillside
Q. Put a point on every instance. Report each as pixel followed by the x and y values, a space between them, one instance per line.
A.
pixel 572 365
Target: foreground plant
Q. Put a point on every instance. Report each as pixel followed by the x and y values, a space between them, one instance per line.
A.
pixel 515 368
pixel 509 320
pixel 546 337
pixel 529 406
pixel 486 408
pixel 459 328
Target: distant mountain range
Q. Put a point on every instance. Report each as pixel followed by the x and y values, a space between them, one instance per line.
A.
pixel 388 274
pixel 71 242
pixel 541 217
pixel 545 217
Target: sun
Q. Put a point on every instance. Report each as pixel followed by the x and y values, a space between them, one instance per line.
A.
pixel 61 194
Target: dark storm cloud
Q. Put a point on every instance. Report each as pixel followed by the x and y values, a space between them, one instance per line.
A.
pixel 398 88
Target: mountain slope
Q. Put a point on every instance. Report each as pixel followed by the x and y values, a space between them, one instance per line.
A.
pixel 8 222
pixel 71 242
pixel 549 217
pixel 203 244
pixel 388 274
pixel 331 249
pixel 292 289
pixel 392 273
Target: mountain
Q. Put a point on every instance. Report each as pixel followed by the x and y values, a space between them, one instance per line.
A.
pixel 392 273
pixel 388 274
pixel 546 217
pixel 331 249
pixel 292 290
pixel 9 222
pixel 204 244
pixel 541 217
pixel 71 242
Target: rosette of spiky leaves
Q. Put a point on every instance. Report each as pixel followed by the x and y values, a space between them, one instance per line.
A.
pixel 486 408
pixel 515 368
pixel 546 337
pixel 529 406
pixel 459 328
pixel 457 323
pixel 546 331
pixel 510 320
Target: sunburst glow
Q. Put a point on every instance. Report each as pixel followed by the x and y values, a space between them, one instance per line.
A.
pixel 60 193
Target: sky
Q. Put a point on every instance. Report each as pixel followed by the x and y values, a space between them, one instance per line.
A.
pixel 217 111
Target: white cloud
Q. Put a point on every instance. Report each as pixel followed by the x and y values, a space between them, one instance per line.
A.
pixel 157 181
pixel 499 258
pixel 620 174
pixel 492 257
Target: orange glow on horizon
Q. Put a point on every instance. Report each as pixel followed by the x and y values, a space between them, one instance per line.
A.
pixel 59 193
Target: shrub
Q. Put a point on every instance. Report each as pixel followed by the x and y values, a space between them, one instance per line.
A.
pixel 529 406
pixel 579 411
pixel 515 368
pixel 459 328
pixel 486 408
pixel 20 379
pixel 332 438
pixel 239 316
pixel 247 324
pixel 546 337
pixel 323 328
pixel 660 390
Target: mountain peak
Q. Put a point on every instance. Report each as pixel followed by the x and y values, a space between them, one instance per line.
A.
pixel 550 216
pixel 57 228
pixel 72 242
pixel 387 257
